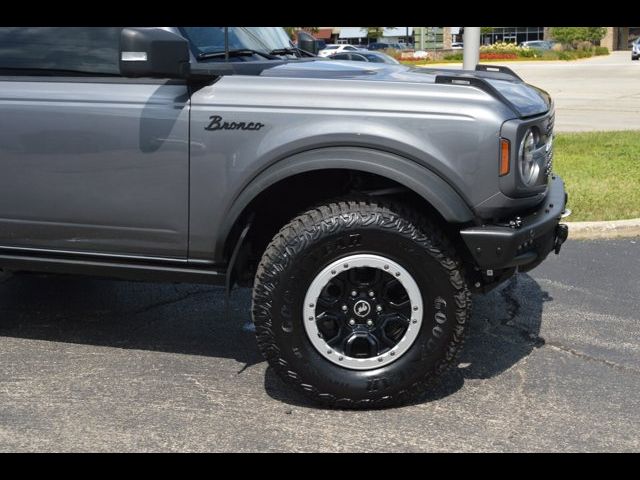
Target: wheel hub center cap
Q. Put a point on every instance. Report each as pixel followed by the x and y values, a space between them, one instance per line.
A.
pixel 362 308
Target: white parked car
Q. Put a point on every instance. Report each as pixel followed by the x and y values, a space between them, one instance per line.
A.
pixel 457 45
pixel 334 48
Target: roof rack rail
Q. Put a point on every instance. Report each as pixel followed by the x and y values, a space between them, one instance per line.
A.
pixel 478 82
pixel 497 68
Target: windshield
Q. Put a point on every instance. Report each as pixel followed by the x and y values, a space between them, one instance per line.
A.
pixel 211 39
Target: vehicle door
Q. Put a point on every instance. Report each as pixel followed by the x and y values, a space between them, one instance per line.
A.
pixel 90 162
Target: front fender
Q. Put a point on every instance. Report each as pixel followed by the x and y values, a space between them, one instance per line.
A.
pixel 417 178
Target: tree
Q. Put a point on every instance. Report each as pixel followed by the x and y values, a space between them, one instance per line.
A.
pixel 291 31
pixel 594 34
pixel 374 32
pixel 572 35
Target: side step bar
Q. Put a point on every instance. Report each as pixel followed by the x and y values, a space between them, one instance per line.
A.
pixel 112 268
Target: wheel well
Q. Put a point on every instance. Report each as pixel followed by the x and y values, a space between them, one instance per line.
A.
pixel 279 203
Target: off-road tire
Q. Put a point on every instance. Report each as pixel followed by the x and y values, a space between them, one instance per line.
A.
pixel 318 237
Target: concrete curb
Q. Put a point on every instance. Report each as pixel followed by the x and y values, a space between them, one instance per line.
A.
pixel 610 229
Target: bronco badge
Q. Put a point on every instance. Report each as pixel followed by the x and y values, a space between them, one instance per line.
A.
pixel 217 124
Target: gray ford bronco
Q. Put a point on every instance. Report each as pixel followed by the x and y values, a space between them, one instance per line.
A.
pixel 364 203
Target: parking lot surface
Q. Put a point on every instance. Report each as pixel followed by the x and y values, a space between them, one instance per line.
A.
pixel 552 363
pixel 598 93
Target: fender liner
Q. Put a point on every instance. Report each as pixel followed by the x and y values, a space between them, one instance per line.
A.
pixel 426 183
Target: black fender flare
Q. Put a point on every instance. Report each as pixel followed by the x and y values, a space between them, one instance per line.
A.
pixel 426 183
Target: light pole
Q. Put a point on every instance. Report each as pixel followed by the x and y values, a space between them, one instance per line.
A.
pixel 471 52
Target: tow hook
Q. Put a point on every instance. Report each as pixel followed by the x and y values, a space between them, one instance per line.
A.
pixel 562 233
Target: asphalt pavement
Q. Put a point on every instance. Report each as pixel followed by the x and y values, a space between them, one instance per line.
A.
pixel 552 363
pixel 598 93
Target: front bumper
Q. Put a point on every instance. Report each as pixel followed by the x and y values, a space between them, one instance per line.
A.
pixel 528 240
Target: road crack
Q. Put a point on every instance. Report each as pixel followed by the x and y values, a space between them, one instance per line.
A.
pixel 203 390
pixel 586 356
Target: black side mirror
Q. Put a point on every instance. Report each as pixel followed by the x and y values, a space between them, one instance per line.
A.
pixel 153 52
pixel 308 43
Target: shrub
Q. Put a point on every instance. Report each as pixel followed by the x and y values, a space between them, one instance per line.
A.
pixel 510 49
pixel 502 47
pixel 602 51
pixel 584 53
pixel 529 53
pixel 392 52
pixel 453 56
pixel 498 56
pixel 574 54
pixel 572 35
pixel 584 45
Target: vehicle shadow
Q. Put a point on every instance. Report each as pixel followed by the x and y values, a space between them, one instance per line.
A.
pixel 504 329
pixel 190 319
pixel 173 318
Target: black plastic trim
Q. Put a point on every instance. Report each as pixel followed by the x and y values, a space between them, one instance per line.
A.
pixel 497 246
pixel 497 69
pixel 115 269
pixel 430 186
pixel 466 79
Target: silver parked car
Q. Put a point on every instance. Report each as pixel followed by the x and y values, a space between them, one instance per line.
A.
pixel 538 44
pixel 362 202
pixel 635 49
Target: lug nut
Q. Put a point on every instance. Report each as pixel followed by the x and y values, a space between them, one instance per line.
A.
pixel 352 322
pixel 344 308
pixel 369 323
pixel 354 293
pixel 371 294
pixel 378 308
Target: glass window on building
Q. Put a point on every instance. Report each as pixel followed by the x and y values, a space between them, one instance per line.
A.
pixel 515 35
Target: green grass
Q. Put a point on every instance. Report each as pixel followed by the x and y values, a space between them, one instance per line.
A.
pixel 601 171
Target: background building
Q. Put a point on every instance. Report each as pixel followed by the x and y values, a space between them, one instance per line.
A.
pixel 512 35
pixel 620 38
pixel 437 38
pixel 358 35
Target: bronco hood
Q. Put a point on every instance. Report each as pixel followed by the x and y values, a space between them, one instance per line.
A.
pixel 524 99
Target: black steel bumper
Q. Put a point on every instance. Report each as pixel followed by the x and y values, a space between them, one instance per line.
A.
pixel 527 242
